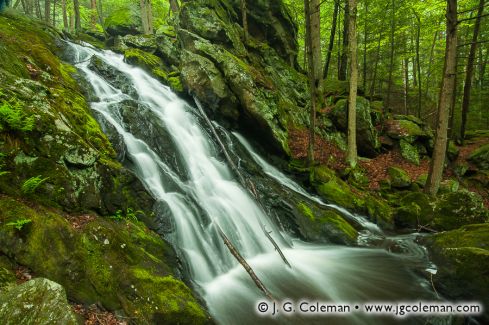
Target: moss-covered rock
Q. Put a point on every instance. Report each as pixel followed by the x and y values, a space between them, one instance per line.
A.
pixel 480 157
pixel 404 129
pixel 336 191
pixel 325 225
pixel 252 85
pixel 409 152
pixel 121 265
pixel 462 260
pixel 123 21
pixel 456 209
pixel 415 209
pixel 38 301
pixel 399 178
pixel 367 138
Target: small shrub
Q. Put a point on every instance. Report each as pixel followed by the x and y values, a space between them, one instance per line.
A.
pixel 130 215
pixel 31 185
pixel 19 224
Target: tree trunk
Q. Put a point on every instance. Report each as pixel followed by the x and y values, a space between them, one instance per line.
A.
pixel 38 9
pixel 147 16
pixel 391 57
pixel 439 152
pixel 65 16
pixel 93 14
pixel 377 58
pixel 100 13
pixel 351 156
pixel 365 42
pixel 174 6
pixel 405 68
pixel 244 19
pixel 313 38
pixel 469 71
pixel 344 53
pixel 430 62
pixel 331 39
pixel 418 61
pixel 54 13
pixel 47 11
pixel 76 5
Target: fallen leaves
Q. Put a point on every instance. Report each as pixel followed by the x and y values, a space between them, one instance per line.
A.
pixel 94 316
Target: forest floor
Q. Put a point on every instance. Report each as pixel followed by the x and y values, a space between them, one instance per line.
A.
pixel 327 153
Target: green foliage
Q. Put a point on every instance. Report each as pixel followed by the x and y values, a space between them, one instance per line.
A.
pixel 12 118
pixel 19 224
pixel 129 215
pixel 31 185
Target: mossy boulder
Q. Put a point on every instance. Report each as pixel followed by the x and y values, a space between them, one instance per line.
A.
pixel 123 21
pixel 404 129
pixel 38 301
pixel 456 209
pixel 146 43
pixel 409 152
pixel 462 260
pixel 367 138
pixel 256 85
pixel 324 225
pixel 415 209
pixel 121 265
pixel 399 178
pixel 336 191
pixel 480 157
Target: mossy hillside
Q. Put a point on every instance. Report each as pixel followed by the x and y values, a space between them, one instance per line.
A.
pixel 65 144
pixel 119 264
pixel 333 189
pixel 325 225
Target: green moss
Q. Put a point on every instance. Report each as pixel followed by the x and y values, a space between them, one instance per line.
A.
pixel 480 157
pixel 398 177
pixel 325 225
pixel 175 84
pixel 409 152
pixel 96 262
pixel 141 58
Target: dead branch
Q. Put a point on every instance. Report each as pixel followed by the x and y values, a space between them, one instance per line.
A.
pixel 243 262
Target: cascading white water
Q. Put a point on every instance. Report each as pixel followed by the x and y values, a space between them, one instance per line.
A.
pixel 209 195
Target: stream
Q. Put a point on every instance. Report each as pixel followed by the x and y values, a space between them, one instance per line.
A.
pixel 165 141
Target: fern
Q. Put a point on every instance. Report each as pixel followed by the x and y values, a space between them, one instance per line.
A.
pixel 32 184
pixel 13 118
pixel 19 224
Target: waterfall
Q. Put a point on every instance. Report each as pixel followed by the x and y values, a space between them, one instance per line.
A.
pixel 199 190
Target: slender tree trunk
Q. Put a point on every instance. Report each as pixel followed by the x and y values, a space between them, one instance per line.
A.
pixel 100 13
pixel 418 61
pixel 344 53
pixel 439 152
pixel 38 9
pixel 351 156
pixel 76 5
pixel 313 39
pixel 430 62
pixel 54 13
pixel 244 18
pixel 47 11
pixel 331 39
pixel 174 6
pixel 147 16
pixel 391 57
pixel 65 17
pixel 93 14
pixel 365 49
pixel 405 68
pixel 377 58
pixel 72 23
pixel 469 71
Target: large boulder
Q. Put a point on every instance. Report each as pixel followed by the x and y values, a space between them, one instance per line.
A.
pixel 462 260
pixel 367 139
pixel 398 177
pixel 38 301
pixel 404 127
pixel 256 85
pixel 123 21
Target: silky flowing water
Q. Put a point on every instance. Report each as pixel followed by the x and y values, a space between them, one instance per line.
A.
pixel 197 190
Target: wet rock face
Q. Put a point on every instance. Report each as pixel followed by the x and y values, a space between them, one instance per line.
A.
pixel 255 82
pixel 38 301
